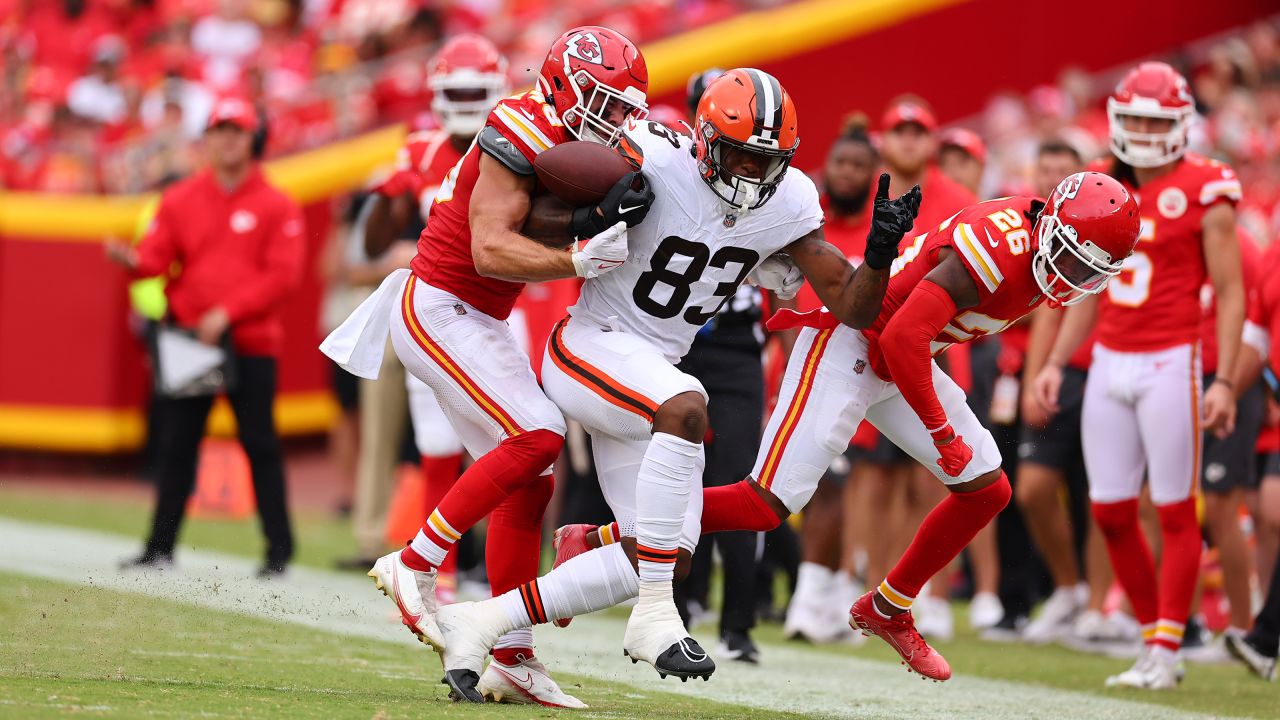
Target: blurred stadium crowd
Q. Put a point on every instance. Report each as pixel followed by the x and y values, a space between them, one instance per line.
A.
pixel 118 102
pixel 107 95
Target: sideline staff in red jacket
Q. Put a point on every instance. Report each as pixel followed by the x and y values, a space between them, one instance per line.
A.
pixel 231 248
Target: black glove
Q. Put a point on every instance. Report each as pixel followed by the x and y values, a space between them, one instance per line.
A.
pixel 627 201
pixel 890 220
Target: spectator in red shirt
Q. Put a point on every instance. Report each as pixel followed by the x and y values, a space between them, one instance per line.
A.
pixel 237 245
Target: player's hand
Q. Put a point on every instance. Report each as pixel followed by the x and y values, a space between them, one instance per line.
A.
pixel 212 326
pixel 1034 414
pixel 1047 386
pixel 890 220
pixel 955 452
pixel 628 201
pixel 1220 409
pixel 779 275
pixel 602 253
pixel 399 255
pixel 122 254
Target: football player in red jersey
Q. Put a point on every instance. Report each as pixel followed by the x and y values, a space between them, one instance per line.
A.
pixel 468 76
pixel 975 275
pixel 447 324
pixel 1142 411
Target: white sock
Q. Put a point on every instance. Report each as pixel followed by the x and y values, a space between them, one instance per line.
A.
pixel 662 499
pixel 434 539
pixel 518 638
pixel 591 581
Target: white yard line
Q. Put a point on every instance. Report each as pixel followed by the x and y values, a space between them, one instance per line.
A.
pixel 789 679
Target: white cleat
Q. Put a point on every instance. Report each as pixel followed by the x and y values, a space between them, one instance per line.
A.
pixel 933 618
pixel 1056 616
pixel 414 594
pixel 656 635
pixel 526 683
pixel 1262 665
pixel 1156 669
pixel 817 624
pixel 985 611
pixel 470 630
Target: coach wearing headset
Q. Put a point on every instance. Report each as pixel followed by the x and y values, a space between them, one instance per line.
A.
pixel 231 248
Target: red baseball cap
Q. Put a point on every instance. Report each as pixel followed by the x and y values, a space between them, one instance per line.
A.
pixel 236 111
pixel 966 140
pixel 905 111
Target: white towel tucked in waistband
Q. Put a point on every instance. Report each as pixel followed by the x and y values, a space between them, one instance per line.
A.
pixel 358 343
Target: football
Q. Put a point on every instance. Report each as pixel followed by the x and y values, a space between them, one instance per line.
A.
pixel 579 172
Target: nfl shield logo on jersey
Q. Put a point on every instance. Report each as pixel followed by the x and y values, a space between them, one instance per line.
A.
pixel 859 366
pixel 730 220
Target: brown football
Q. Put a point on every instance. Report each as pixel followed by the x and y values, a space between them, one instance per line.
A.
pixel 579 172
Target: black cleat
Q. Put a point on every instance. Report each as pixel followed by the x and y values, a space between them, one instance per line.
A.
pixel 685 659
pixel 737 645
pixel 462 686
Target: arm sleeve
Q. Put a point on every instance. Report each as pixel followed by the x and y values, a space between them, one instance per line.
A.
pixel 158 248
pixel 278 275
pixel 913 327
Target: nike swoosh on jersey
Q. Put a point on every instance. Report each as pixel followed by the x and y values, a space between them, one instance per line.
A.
pixel 995 244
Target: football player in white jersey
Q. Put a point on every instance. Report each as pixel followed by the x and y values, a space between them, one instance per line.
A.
pixel 727 208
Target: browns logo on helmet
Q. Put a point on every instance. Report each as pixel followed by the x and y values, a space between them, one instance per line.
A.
pixel 745 114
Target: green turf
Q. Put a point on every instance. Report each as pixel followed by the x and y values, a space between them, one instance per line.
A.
pixel 1212 689
pixel 94 652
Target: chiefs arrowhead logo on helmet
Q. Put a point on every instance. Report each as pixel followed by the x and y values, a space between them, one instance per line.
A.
pixel 1069 187
pixel 586 47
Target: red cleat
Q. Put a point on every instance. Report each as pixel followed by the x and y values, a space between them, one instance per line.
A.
pixel 569 542
pixel 901 634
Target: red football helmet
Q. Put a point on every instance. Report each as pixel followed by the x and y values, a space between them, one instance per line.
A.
pixel 596 80
pixel 467 76
pixel 748 111
pixel 1151 90
pixel 1089 225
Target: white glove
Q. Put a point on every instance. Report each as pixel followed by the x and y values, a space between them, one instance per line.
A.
pixel 602 253
pixel 779 274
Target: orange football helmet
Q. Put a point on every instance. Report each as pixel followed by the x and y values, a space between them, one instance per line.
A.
pixel 745 110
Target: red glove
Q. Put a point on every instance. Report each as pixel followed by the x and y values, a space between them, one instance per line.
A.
pixel 955 452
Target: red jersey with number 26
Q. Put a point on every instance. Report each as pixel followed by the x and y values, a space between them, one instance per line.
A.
pixel 444 250
pixel 1155 301
pixel 993 241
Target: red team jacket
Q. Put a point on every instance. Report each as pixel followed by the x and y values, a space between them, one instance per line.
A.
pixel 241 250
pixel 1168 262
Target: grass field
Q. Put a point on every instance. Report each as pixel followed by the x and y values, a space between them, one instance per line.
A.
pixel 210 643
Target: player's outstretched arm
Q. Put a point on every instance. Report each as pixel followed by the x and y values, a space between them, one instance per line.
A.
pixel 500 204
pixel 905 342
pixel 1222 260
pixel 852 295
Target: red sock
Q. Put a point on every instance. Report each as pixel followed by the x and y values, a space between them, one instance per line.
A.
pixel 516 462
pixel 512 656
pixel 1179 569
pixel 439 473
pixel 1130 555
pixel 513 546
pixel 736 507
pixel 946 530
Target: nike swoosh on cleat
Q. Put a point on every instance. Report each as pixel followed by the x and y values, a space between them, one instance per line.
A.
pixel 526 683
pixel 410 619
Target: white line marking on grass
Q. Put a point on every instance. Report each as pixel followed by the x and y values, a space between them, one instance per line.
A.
pixel 790 679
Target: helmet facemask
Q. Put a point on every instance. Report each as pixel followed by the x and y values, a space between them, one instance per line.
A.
pixel 1066 270
pixel 588 118
pixel 741 192
pixel 1147 149
pixel 462 99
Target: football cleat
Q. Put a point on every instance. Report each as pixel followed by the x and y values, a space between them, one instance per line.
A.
pixel 569 542
pixel 414 593
pixel 1155 669
pixel 737 645
pixel 469 630
pixel 901 634
pixel 656 635
pixel 1057 615
pixel 985 611
pixel 525 683
pixel 1261 664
